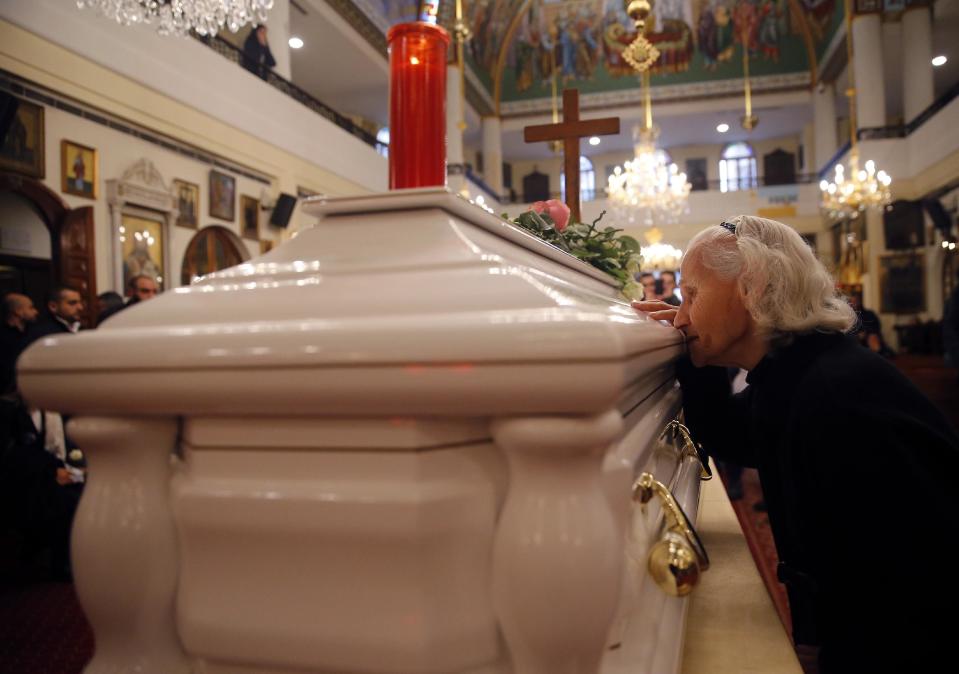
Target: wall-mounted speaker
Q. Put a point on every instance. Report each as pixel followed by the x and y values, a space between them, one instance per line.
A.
pixel 283 210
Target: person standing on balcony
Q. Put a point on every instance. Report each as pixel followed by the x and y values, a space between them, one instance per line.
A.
pixel 257 57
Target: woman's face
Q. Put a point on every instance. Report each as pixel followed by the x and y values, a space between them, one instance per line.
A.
pixel 712 316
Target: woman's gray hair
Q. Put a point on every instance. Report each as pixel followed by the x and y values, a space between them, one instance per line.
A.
pixel 785 288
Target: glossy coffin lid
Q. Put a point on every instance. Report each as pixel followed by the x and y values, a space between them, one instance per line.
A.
pixel 413 301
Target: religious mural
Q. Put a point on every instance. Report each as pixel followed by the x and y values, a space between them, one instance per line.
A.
pixel 698 40
pixel 583 40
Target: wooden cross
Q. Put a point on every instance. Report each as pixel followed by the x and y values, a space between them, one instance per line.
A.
pixel 570 130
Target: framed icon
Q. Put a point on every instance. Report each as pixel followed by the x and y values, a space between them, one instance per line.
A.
pixel 22 151
pixel 222 196
pixel 250 217
pixel 187 203
pixel 78 169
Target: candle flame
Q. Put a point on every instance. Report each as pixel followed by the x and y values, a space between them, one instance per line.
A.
pixel 415 61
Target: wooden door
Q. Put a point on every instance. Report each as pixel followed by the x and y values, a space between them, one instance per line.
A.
pixel 78 259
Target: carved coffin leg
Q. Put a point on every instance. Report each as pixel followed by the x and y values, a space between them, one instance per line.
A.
pixel 559 550
pixel 124 545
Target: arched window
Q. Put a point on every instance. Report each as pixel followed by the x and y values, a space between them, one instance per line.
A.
pixel 587 181
pixel 383 138
pixel 211 249
pixel 737 168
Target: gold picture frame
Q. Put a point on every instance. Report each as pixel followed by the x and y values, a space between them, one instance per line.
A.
pixel 23 150
pixel 250 217
pixel 187 203
pixel 79 169
pixel 222 196
pixel 142 248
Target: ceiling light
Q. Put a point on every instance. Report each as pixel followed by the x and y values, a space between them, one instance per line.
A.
pixel 723 128
pixel 939 60
pixel 296 42
pixel 594 140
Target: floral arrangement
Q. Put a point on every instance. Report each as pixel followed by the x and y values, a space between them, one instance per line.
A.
pixel 606 249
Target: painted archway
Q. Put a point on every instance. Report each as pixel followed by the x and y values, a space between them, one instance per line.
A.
pixel 212 249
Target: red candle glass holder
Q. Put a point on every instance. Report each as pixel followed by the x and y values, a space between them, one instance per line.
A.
pixel 417 105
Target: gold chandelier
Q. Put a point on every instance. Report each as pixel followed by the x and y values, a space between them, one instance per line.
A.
pixel 659 256
pixel 647 187
pixel 850 193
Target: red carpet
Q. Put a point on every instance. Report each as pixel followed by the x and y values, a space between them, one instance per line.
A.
pixel 759 538
pixel 43 630
pixel 42 627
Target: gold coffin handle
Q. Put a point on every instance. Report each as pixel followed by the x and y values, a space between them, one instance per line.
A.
pixel 690 448
pixel 677 560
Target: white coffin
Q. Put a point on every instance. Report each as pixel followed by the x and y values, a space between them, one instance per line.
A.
pixel 402 442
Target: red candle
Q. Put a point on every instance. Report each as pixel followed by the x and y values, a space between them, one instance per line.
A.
pixel 417 105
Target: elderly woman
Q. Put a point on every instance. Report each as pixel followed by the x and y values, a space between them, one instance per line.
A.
pixel 857 466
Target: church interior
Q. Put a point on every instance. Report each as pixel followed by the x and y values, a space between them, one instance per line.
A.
pixel 184 161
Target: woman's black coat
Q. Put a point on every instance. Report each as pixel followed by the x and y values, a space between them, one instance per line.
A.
pixel 858 472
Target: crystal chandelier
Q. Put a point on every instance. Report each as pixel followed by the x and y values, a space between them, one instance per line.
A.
pixel 658 256
pixel 865 188
pixel 846 197
pixel 646 189
pixel 179 17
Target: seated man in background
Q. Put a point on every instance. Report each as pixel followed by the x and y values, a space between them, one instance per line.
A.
pixel 855 463
pixel 64 311
pixel 868 328
pixel 140 288
pixel 18 315
pixel 108 303
pixel 40 482
pixel 669 296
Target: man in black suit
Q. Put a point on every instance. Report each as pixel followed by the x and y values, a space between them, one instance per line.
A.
pixel 257 57
pixel 65 307
pixel 18 315
pixel 856 465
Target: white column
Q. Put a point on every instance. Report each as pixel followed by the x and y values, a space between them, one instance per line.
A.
pixel 874 250
pixel 808 148
pixel 278 36
pixel 868 71
pixel 559 547
pixel 454 134
pixel 917 78
pixel 493 155
pixel 124 548
pixel 824 126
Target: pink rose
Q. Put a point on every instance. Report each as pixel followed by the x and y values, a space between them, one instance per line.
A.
pixel 556 210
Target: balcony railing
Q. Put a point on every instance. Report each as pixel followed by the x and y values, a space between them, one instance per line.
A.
pixel 761 181
pixel 895 130
pixel 234 54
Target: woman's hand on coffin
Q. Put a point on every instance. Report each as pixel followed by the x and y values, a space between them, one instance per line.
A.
pixel 657 310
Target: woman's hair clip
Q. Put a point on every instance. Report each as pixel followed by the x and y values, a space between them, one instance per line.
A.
pixel 730 227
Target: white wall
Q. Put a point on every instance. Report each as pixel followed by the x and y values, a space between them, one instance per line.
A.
pixel 117 151
pixel 22 231
pixel 214 85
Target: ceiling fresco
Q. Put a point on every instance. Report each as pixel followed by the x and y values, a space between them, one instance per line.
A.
pixel 701 43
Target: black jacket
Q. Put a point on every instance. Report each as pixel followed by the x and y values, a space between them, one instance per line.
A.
pixel 257 58
pixel 12 344
pixel 48 325
pixel 858 473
